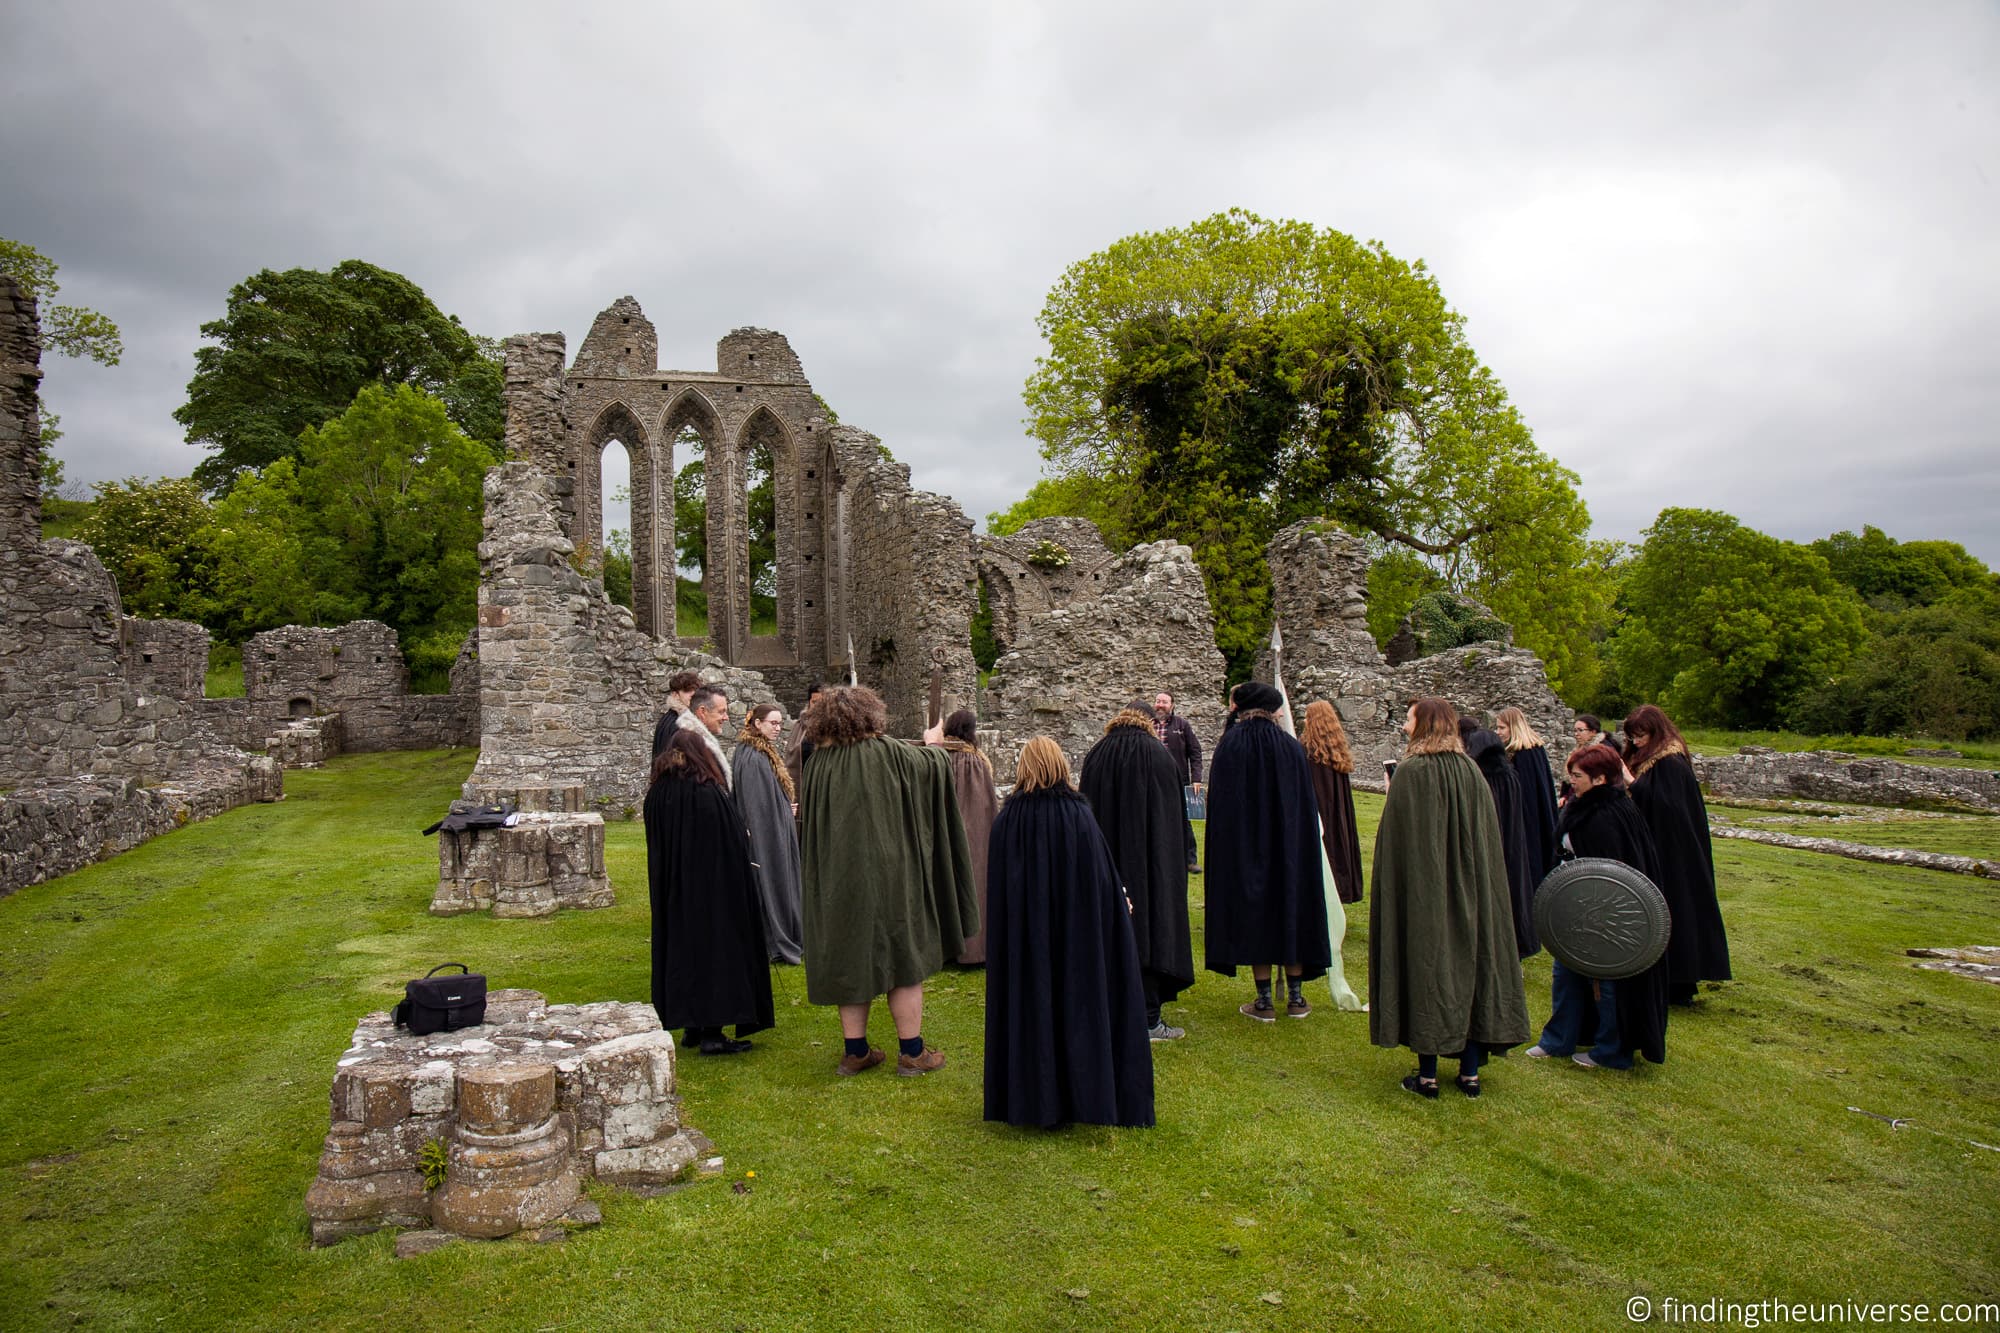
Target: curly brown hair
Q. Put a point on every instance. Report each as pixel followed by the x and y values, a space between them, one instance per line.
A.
pixel 1325 739
pixel 846 715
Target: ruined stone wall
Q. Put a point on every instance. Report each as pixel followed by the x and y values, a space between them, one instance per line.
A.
pixel 83 745
pixel 912 590
pixel 1145 627
pixel 355 670
pixel 167 657
pixel 569 688
pixel 1018 589
pixel 1320 597
pixel 1833 775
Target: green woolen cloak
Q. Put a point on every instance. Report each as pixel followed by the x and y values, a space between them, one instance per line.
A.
pixel 889 892
pixel 1442 966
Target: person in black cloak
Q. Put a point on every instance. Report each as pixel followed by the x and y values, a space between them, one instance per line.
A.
pixel 1530 758
pixel 1619 1018
pixel 1065 1007
pixel 1266 897
pixel 1483 748
pixel 1332 767
pixel 1668 794
pixel 680 689
pixel 1134 789
pixel 709 965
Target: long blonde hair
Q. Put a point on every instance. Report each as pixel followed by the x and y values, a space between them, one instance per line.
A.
pixel 1325 739
pixel 1043 764
pixel 1520 736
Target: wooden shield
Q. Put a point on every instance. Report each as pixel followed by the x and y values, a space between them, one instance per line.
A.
pixel 1602 918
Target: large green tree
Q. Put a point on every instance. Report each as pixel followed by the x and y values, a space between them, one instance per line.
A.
pixel 1217 381
pixel 1725 625
pixel 292 350
pixel 155 539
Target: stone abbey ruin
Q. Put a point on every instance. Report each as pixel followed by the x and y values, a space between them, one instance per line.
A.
pixel 105 738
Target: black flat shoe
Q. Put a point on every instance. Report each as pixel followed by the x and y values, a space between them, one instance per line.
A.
pixel 724 1046
pixel 1426 1088
pixel 1468 1085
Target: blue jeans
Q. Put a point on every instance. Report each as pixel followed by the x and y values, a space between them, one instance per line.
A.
pixel 1574 1012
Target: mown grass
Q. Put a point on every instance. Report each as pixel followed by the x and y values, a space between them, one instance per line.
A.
pixel 1967 835
pixel 1973 754
pixel 169 1021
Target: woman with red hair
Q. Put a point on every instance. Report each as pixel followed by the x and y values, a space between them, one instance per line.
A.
pixel 1668 794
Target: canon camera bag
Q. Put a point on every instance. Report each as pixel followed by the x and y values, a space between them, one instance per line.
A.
pixel 433 1003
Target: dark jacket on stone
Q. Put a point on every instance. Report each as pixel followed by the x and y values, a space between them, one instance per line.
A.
pixel 1484 749
pixel 1669 795
pixel 1538 808
pixel 774 846
pixel 709 963
pixel 1135 795
pixel 1065 1010
pixel 1266 897
pixel 1442 967
pixel 1603 822
pixel 1333 792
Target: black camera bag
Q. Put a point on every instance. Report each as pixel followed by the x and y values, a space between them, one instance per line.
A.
pixel 433 1003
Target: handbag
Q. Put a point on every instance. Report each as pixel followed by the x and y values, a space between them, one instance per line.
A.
pixel 1197 802
pixel 433 1003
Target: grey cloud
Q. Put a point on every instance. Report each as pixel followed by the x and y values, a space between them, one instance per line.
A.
pixel 1727 256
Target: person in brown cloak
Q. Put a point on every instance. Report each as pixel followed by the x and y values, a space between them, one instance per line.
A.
pixel 1332 768
pixel 889 888
pixel 978 803
pixel 1443 976
pixel 1134 790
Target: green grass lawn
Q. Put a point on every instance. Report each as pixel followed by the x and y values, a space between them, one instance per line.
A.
pixel 1969 835
pixel 169 1021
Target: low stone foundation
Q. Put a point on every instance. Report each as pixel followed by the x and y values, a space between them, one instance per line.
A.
pixel 522 1109
pixel 307 742
pixel 1832 775
pixel 51 828
pixel 545 862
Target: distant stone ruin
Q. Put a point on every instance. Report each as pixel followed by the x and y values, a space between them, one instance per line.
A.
pixel 101 744
pixel 1320 587
pixel 1759 772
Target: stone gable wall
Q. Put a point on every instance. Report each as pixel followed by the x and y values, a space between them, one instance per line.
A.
pixel 1145 627
pixel 167 657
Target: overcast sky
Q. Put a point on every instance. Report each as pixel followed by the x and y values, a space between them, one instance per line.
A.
pixel 1739 257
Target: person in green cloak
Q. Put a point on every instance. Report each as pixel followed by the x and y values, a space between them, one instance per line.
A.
pixel 888 888
pixel 1443 974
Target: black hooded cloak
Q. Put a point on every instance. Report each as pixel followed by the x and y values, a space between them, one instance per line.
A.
pixel 1604 822
pixel 1134 790
pixel 1065 1011
pixel 663 730
pixel 1484 749
pixel 1538 808
pixel 1669 795
pixel 1266 897
pixel 1333 791
pixel 709 964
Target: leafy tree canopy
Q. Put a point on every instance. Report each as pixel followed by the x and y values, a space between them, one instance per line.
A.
pixel 293 349
pixel 1215 382
pixel 1892 575
pixel 153 537
pixel 70 330
pixel 1727 626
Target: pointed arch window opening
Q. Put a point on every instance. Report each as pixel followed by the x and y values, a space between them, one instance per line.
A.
pixel 690 450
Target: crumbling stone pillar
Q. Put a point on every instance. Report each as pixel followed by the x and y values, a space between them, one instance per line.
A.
pixel 509 1164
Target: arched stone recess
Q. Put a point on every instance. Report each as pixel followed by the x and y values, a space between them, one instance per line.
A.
pixel 689 417
pixel 617 423
pixel 764 445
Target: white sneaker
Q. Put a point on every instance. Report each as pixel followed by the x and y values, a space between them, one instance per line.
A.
pixel 1583 1058
pixel 1161 1032
pixel 1537 1053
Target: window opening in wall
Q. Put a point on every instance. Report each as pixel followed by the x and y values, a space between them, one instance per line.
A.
pixel 985 648
pixel 145 657
pixel 614 481
pixel 690 534
pixel 762 494
pixel 301 708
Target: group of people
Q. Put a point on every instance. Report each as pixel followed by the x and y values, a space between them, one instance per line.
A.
pixel 873 862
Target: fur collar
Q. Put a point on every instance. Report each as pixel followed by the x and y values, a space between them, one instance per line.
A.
pixel 1254 715
pixel 689 722
pixel 1128 718
pixel 1433 745
pixel 1670 748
